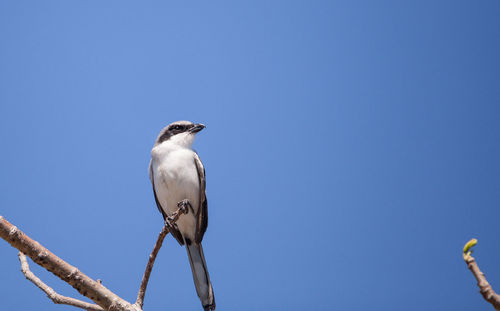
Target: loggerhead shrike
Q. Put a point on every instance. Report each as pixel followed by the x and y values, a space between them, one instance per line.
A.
pixel 178 178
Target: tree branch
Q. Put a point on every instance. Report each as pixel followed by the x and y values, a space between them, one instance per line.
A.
pixel 484 287
pixel 55 297
pixel 104 298
pixel 86 286
pixel 149 267
pixel 170 221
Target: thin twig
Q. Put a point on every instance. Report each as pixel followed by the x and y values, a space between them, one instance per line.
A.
pixel 484 287
pixel 149 267
pixel 170 221
pixel 55 297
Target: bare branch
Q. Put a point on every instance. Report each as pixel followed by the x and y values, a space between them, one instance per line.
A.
pixel 170 221
pixel 66 272
pixel 55 297
pixel 104 298
pixel 149 267
pixel 484 287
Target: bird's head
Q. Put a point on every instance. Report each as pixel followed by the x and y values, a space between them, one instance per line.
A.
pixel 180 133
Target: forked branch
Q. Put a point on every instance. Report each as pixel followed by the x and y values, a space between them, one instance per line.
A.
pixel 86 286
pixel 51 293
pixel 103 297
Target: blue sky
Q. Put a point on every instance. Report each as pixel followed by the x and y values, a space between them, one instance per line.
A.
pixel 351 148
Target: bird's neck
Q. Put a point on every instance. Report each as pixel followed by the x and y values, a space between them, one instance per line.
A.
pixel 175 143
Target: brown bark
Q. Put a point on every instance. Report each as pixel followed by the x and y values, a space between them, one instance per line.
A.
pixel 484 287
pixel 104 298
pixel 149 267
pixel 51 293
pixel 66 272
pixel 169 222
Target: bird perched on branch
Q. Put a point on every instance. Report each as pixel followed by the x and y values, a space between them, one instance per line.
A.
pixel 178 179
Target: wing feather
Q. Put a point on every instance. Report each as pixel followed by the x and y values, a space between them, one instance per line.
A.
pixel 202 217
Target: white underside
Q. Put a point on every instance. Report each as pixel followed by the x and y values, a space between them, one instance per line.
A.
pixel 175 178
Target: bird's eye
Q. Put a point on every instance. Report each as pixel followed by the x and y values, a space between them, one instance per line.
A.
pixel 177 127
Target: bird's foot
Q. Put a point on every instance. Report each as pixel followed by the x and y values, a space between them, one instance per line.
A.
pixel 184 206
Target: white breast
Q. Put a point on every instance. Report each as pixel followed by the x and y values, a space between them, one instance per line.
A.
pixel 176 178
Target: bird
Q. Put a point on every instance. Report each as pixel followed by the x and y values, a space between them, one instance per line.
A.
pixel 178 179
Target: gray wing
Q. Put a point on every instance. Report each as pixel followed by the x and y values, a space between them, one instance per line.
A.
pixel 202 216
pixel 177 235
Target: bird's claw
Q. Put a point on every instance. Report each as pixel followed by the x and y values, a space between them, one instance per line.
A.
pixel 184 206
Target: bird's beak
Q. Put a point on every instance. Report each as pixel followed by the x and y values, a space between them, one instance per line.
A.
pixel 197 127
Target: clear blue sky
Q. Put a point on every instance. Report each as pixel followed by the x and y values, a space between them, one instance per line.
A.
pixel 351 148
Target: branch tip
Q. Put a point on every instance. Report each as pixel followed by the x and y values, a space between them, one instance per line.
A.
pixel 484 287
pixel 468 249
